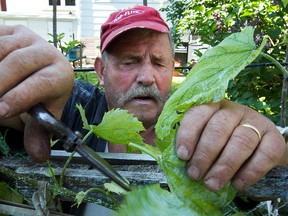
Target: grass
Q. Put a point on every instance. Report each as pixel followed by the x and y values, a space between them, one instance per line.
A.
pixel 88 76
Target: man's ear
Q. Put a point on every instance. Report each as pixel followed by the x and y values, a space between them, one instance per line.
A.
pixel 99 68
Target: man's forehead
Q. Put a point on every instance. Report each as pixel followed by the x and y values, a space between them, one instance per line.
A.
pixel 141 48
pixel 137 55
pixel 138 35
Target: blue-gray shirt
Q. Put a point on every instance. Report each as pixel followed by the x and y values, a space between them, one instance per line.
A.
pixel 94 103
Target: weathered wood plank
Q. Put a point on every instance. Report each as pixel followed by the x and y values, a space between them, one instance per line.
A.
pixel 273 185
pixel 11 208
pixel 138 169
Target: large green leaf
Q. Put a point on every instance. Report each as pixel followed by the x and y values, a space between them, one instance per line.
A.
pixel 117 126
pixel 124 129
pixel 193 193
pixel 153 201
pixel 208 80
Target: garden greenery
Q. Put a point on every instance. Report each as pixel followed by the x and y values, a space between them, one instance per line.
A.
pixel 206 82
pixel 258 87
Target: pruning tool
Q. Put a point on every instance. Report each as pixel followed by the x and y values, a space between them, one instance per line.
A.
pixel 73 142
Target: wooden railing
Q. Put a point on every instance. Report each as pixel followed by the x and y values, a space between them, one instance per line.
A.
pixel 139 169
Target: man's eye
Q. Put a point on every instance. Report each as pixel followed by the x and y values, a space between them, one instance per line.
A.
pixel 160 64
pixel 128 63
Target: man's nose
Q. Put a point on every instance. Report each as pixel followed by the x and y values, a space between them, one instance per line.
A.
pixel 146 74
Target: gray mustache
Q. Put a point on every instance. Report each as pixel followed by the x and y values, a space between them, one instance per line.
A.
pixel 142 91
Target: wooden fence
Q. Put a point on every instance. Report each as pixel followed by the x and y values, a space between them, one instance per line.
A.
pixel 139 169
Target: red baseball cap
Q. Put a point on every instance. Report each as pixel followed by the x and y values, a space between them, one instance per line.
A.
pixel 131 18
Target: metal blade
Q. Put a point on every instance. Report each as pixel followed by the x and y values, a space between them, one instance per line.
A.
pixel 45 118
pixel 102 165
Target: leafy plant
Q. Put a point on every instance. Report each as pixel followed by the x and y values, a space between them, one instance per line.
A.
pixel 259 86
pixel 65 47
pixel 4 148
pixel 206 82
pixel 8 193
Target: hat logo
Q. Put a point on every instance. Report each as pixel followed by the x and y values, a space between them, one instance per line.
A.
pixel 126 14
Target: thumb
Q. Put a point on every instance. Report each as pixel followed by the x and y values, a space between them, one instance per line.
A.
pixel 36 140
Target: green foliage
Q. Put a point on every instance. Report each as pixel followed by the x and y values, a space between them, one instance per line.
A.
pixel 212 21
pixel 153 201
pixel 215 20
pixel 117 126
pixel 115 188
pixel 87 77
pixel 82 195
pixel 4 148
pixel 206 82
pixel 65 47
pixel 197 197
pixel 9 194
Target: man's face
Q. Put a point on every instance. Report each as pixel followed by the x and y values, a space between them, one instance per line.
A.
pixel 138 74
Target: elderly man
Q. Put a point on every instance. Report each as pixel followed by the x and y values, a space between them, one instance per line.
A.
pixel 136 71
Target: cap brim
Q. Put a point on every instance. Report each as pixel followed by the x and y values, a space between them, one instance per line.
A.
pixel 141 24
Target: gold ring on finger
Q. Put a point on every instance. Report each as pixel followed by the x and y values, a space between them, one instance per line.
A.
pixel 254 129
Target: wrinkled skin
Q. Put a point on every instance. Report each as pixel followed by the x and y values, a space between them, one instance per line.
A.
pixel 210 136
pixel 32 71
pixel 139 61
pixel 218 148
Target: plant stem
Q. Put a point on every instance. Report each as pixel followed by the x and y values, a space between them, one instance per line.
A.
pixel 105 193
pixel 274 61
pixel 143 149
pixel 65 168
pixel 56 189
pixel 14 175
pixel 283 101
pixel 284 85
pixel 52 173
pixel 87 135
pixel 284 92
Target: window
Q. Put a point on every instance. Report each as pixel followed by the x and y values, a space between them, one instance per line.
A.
pixel 51 2
pixel 70 2
pixel 61 2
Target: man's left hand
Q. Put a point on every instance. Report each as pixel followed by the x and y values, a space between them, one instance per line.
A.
pixel 225 141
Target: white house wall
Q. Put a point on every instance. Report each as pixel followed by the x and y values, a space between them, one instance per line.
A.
pixel 95 12
pixel 81 22
pixel 39 17
pixel 21 6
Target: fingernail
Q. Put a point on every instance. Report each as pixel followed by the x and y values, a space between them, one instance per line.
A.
pixel 182 153
pixel 4 109
pixel 194 172
pixel 213 184
pixel 239 184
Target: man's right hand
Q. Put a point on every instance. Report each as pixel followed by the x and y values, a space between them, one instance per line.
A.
pixel 32 71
